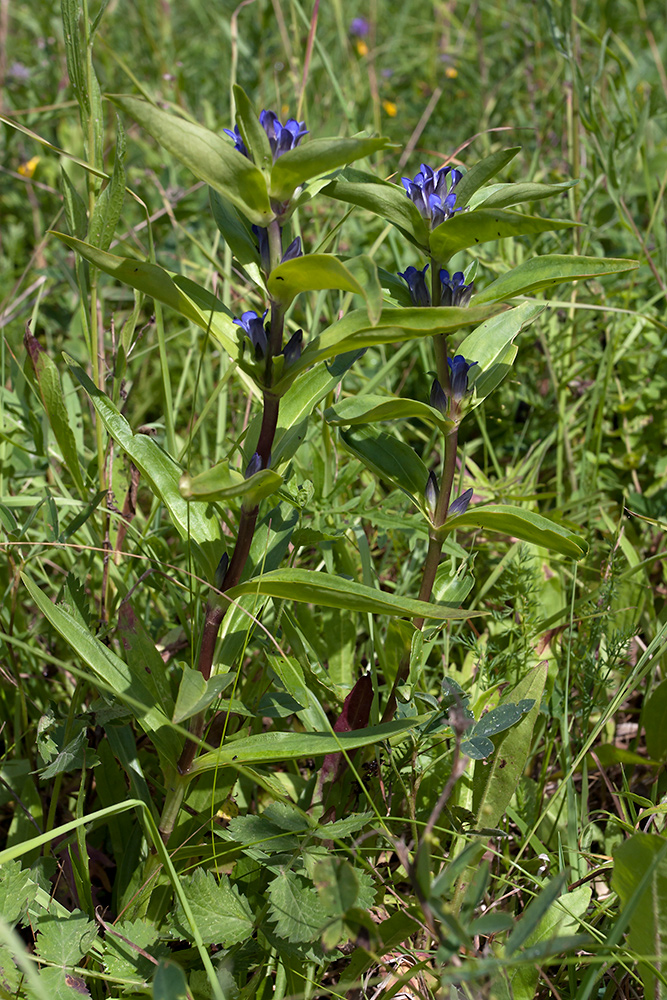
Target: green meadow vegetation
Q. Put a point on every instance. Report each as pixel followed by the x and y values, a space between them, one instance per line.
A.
pixel 333 498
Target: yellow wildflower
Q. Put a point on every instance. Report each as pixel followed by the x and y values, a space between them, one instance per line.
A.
pixel 390 108
pixel 28 169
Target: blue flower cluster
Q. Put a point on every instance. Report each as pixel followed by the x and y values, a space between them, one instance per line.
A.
pixel 281 137
pixel 454 291
pixel 432 192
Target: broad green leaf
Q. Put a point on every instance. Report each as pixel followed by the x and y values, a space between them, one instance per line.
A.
pixel 319 271
pixel 469 229
pixel 337 885
pixel 271 747
pixel 233 229
pixel 109 202
pixel 57 983
pixel 655 722
pixel 495 783
pixel 643 858
pixel 547 271
pixel 371 409
pixel 298 911
pixel 126 682
pixel 169 982
pixel 222 915
pixel 535 911
pixel 316 157
pixel 519 523
pixel 195 521
pixel 195 693
pixel 209 156
pixel 481 172
pixel 177 292
pixel 506 195
pixel 223 483
pixel 492 346
pixel 496 721
pixel 64 942
pixel 51 391
pixel 254 136
pixel 389 201
pixel 17 890
pixel 389 458
pixel 75 755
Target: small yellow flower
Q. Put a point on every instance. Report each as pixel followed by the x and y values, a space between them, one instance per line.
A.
pixel 451 73
pixel 362 48
pixel 390 108
pixel 28 169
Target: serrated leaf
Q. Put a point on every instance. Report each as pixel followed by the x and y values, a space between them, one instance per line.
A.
pixel 17 891
pixel 222 915
pixel 296 908
pixel 519 523
pixel 260 831
pixel 123 958
pixel 65 940
pixel 484 225
pixel 59 984
pixel 316 157
pixel 209 156
pixel 371 408
pixel 548 271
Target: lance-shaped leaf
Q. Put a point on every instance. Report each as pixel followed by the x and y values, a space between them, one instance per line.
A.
pixel 469 229
pixel 372 409
pixel 209 156
pixel 481 172
pixel 128 682
pixel 505 195
pixel 109 203
pixel 254 136
pixel 519 523
pixel 317 157
pixel 390 459
pixel 492 346
pixel 317 271
pixel 195 521
pixel 51 391
pixel 233 229
pixel 546 272
pixel 389 201
pixel 640 879
pixel 184 296
pixel 223 483
pixel 310 587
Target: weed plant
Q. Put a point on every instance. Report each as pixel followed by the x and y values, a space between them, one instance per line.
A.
pixel 278 720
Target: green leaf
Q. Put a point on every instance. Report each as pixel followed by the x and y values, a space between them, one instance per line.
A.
pixel 169 982
pixel 337 885
pixel 389 201
pixel 75 209
pixel 17 891
pixel 75 755
pixel 64 941
pixel 643 859
pixel 655 722
pixel 222 915
pixel 547 271
pixel 495 783
pixel 390 459
pixel 316 157
pixel 496 721
pixel 372 409
pixel 51 391
pixel 484 225
pixel 195 521
pixel 180 294
pixel 58 984
pixel 195 693
pixel 523 524
pixel 223 483
pixel 255 138
pixel 125 955
pixel 126 682
pixel 296 908
pixel 209 156
pixel 267 748
pixel 506 195
pixel 481 172
pixel 318 271
pixel 330 591
pixel 233 229
pixel 534 913
pixel 109 202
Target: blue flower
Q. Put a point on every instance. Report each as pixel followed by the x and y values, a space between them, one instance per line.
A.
pixel 254 465
pixel 416 282
pixel 282 137
pixel 292 349
pixel 431 493
pixel 239 144
pixel 359 26
pixel 253 325
pixel 438 399
pixel 432 192
pixel 458 374
pixel 460 505
pixel 293 250
pixel 454 290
